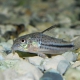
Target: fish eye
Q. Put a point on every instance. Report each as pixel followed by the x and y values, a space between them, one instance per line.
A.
pixel 22 40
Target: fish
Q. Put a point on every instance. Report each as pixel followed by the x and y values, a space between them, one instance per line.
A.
pixel 41 44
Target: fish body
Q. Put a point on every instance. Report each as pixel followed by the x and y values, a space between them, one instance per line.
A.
pixel 41 44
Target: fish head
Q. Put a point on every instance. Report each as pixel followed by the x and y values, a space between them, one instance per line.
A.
pixel 20 44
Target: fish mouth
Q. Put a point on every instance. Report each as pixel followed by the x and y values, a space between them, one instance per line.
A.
pixel 15 47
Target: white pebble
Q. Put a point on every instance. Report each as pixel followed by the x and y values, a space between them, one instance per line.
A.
pixel 35 60
pixel 24 67
pixel 53 62
pixel 70 56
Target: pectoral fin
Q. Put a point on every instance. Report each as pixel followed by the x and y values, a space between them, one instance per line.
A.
pixel 42 55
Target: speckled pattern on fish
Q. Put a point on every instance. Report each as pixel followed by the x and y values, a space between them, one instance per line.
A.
pixel 40 43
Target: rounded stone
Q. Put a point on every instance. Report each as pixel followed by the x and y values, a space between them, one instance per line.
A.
pixel 51 75
pixel 72 74
pixel 53 62
pixel 24 67
pixel 70 56
pixel 63 66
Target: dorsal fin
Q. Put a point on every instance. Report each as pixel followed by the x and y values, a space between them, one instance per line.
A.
pixel 56 25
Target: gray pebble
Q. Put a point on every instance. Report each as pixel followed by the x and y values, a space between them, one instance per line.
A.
pixel 51 75
pixel 63 66
pixel 6 46
pixel 70 56
pixel 1 58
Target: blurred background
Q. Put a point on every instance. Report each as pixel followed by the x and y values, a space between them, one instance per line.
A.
pixel 19 17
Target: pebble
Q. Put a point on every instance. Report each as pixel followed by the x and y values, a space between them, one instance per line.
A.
pixel 63 66
pixel 12 56
pixel 66 21
pixel 29 29
pixel 6 46
pixel 2 39
pixel 26 77
pixel 78 58
pixel 2 53
pixel 76 64
pixel 11 74
pixel 24 67
pixel 78 68
pixel 44 26
pixel 51 75
pixel 1 48
pixel 72 74
pixel 37 61
pixel 53 62
pixel 5 28
pixel 1 57
pixel 8 63
pixel 3 18
pixel 70 56
pixel 8 74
